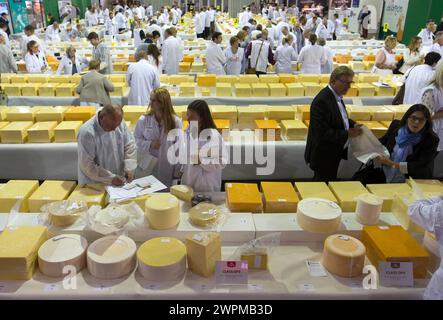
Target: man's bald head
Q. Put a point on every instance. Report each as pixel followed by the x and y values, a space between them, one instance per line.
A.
pixel 110 117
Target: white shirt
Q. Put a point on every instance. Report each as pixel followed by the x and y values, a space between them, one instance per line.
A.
pixel 259 62
pixel 311 26
pixel 5 36
pixel 35 62
pixel 52 35
pixel 26 40
pixel 215 59
pixel 103 155
pixel 427 37
pixel 142 78
pixel 417 79
pixel 343 113
pixel 93 19
pixel 158 67
pixel 199 27
pixel 338 25
pixel 208 19
pixel 120 21
pixel 325 32
pixel 437 48
pixel 234 61
pixel 172 52
pixel 284 55
pixel 66 65
pixel 326 68
pixel 149 11
pixel 311 59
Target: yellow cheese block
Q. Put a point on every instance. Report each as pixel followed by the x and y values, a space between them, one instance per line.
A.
pixel 206 80
pixel 294 129
pixel 6 77
pixel 394 244
pixel 19 78
pixel 280 112
pixel 47 90
pixel 42 132
pixel 295 90
pixel 164 78
pixel 182 192
pixel 243 90
pixel 251 113
pixel 256 258
pixel 312 89
pixel 204 250
pixel 181 111
pixel 120 90
pixel 15 132
pixel 359 113
pixel 279 197
pixel 380 113
pixel 65 90
pixel 67 131
pixel 2 125
pixel 79 113
pixel 287 78
pixel 269 78
pixel 368 78
pixel 133 113
pixel 314 78
pixel 3 113
pixel 260 90
pixel 224 112
pixel 223 89
pixel 347 192
pixel 75 79
pixel 376 127
pixel 365 90
pixel 117 78
pixel 303 112
pixel 243 197
pixel 178 79
pixel 17 190
pixel 29 90
pixel 12 89
pixel 269 130
pixel 198 67
pixel 21 114
pixel 50 114
pixel 315 190
pixel 357 65
pixel 18 251
pixel 50 191
pixel 184 67
pixel 277 89
pixel 162 211
pixel 227 79
pixel 205 92
pixel 248 78
pixel 60 79
pixel 430 185
pixel 187 89
pixel 384 91
pixel 399 110
pixel 92 195
pixel 352 92
pixel 140 201
pixel 324 79
pixel 387 192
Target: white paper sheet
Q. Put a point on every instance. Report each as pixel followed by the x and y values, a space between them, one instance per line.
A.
pixel 138 187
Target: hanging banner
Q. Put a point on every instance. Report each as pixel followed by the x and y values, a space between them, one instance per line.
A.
pixel 19 15
pixel 335 4
pixel 394 15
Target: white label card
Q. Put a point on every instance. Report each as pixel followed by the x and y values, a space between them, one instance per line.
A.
pixel 396 274
pixel 316 269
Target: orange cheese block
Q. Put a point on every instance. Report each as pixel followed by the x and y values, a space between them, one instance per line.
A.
pixel 279 197
pixel 243 197
pixel 269 130
pixel 79 113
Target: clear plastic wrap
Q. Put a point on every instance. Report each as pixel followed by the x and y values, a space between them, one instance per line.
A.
pixel 208 216
pixel 367 147
pixel 62 213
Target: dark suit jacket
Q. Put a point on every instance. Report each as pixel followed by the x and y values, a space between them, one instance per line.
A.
pixel 327 135
pixel 421 160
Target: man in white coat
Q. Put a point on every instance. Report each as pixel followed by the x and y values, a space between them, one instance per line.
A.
pixel 52 33
pixel 142 78
pixel 419 77
pixel 427 35
pixel 29 36
pixel 172 52
pixel 325 29
pixel 106 149
pixel 438 44
pixel 215 59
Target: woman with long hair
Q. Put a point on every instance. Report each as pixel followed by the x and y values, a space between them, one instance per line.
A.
pixel 412 57
pixel 151 134
pixel 155 58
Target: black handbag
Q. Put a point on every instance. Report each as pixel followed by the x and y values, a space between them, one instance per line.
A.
pixel 369 174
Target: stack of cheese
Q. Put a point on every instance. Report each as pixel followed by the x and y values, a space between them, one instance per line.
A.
pixel 18 251
pixel 67 131
pixel 279 197
pixel 268 130
pixel 294 129
pixel 243 197
pixel 224 112
pixel 203 250
pixel 280 113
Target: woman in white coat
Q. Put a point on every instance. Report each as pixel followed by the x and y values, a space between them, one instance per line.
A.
pixel 151 134
pixel 203 170
pixel 71 63
pixel 326 68
pixel 155 58
pixel 312 57
pixel 284 55
pixel 385 58
pixel 234 57
pixel 34 59
pixel 412 57
pixel 428 213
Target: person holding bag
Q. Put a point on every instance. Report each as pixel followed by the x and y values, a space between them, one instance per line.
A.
pixel 259 54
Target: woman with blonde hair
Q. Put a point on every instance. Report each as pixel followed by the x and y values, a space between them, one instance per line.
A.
pixel 71 63
pixel 412 57
pixel 432 98
pixel 284 55
pixel 385 58
pixel 151 134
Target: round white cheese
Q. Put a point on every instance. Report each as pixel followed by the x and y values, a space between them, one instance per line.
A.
pixel 65 213
pixel 113 216
pixel 204 214
pixel 162 210
pixel 368 208
pixel 318 215
pixel 162 259
pixel 111 257
pixel 343 255
pixel 60 251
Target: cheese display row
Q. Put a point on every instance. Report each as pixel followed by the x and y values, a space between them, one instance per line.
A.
pixel 49 114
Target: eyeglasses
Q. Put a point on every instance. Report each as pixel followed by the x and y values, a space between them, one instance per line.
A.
pixel 417 119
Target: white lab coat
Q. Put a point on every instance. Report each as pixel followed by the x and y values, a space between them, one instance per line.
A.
pixel 66 65
pixel 234 61
pixel 52 35
pixel 417 78
pixel 311 26
pixel 5 36
pixel 428 213
pixel 283 57
pixel 427 37
pixel 156 27
pixel 437 48
pixel 206 176
pixel 172 52
pixel 338 26
pixel 199 27
pixel 34 63
pixel 103 155
pixel 149 11
pixel 280 26
pixel 142 78
pixel 137 38
pixel 153 63
pixel 120 21
pixel 325 32
pixel 326 68
pixel 93 19
pixel 215 59
pixel 294 42
pixel 311 59
pixel 411 59
pixel 259 62
pixel 435 105
pixel 147 131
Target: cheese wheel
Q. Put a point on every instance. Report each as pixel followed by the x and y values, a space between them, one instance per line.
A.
pixel 65 213
pixel 113 216
pixel 111 257
pixel 368 208
pixel 162 211
pixel 204 214
pixel 182 192
pixel 318 215
pixel 162 259
pixel 344 256
pixel 60 251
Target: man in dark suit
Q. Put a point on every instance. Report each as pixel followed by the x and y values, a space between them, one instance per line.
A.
pixel 330 128
pixel 4 18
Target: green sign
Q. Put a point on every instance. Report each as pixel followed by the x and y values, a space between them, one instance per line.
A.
pixel 19 15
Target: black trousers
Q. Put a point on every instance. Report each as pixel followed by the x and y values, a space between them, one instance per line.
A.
pixel 258 73
pixel 207 32
pixel 200 35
